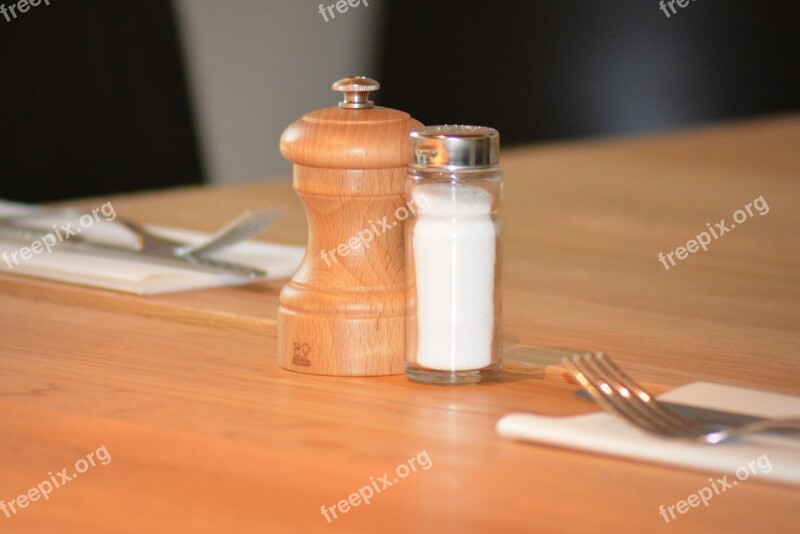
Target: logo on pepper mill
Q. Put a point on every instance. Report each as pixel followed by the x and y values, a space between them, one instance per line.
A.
pixel 300 356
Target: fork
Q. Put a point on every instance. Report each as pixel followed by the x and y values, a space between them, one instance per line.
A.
pixel 617 393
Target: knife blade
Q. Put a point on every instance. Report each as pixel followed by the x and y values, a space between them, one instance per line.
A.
pixel 160 257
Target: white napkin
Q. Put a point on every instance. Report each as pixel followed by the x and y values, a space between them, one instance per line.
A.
pixel 606 434
pixel 131 276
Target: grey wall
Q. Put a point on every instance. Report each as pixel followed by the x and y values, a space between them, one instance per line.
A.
pixel 256 65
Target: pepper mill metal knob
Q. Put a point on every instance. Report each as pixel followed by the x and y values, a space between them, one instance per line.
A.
pixel 356 91
pixel 343 312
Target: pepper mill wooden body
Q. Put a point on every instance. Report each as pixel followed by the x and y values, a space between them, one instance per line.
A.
pixel 343 311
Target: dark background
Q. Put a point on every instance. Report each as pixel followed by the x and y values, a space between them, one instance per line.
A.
pixel 550 69
pixel 94 99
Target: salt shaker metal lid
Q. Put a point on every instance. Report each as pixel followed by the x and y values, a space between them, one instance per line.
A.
pixel 454 147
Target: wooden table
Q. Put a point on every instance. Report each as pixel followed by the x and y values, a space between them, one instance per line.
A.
pixel 207 434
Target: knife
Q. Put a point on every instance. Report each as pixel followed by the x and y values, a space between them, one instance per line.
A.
pixel 159 257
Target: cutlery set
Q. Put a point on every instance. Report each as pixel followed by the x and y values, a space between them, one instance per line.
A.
pixel 151 247
pixel 618 394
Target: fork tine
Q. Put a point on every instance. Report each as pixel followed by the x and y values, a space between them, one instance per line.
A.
pixel 630 384
pixel 254 219
pixel 605 396
pixel 614 389
pixel 245 226
pixel 575 367
pixel 638 398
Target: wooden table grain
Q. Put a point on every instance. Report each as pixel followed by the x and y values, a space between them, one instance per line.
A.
pixel 207 434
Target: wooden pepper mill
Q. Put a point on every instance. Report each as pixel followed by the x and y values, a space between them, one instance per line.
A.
pixel 343 312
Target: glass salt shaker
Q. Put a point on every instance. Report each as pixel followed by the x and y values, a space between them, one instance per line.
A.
pixel 453 252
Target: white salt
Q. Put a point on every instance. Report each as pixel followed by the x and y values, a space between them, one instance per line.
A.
pixel 454 261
